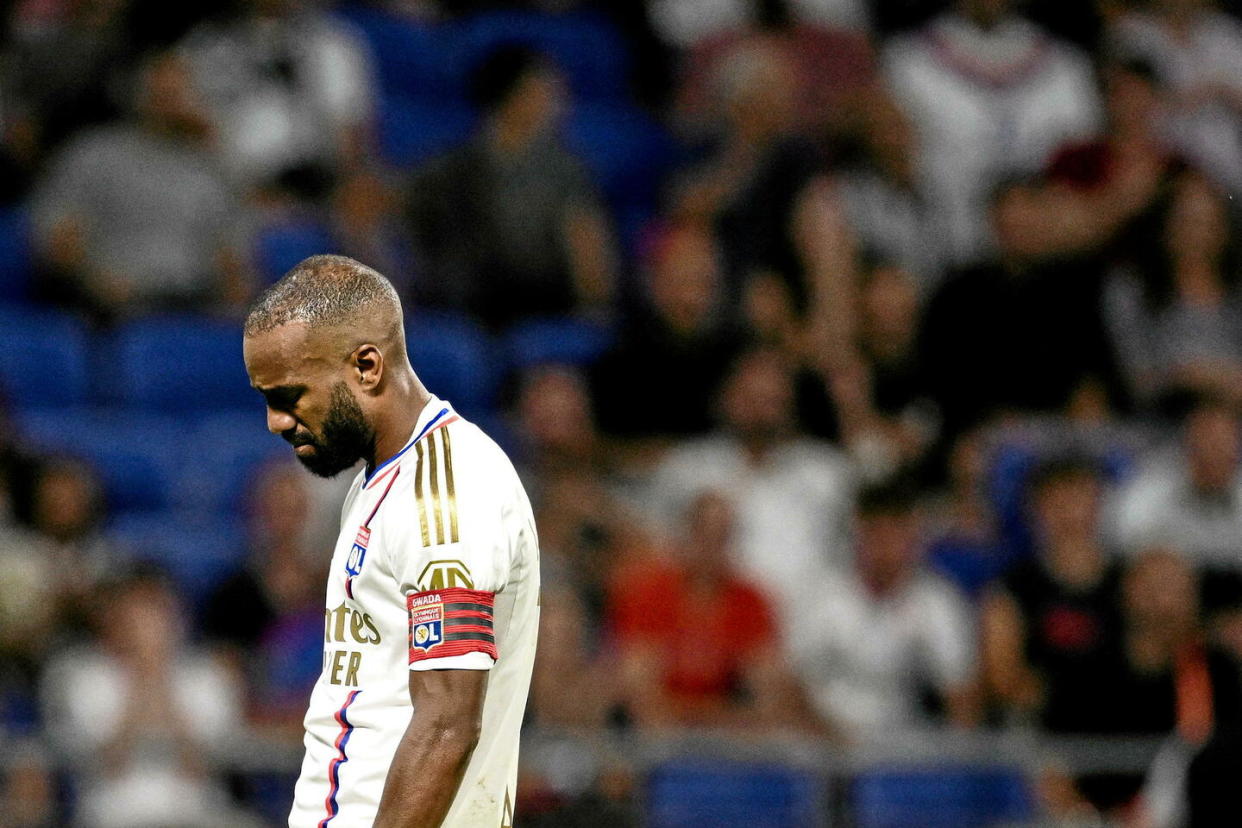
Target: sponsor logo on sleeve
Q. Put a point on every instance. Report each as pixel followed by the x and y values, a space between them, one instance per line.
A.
pixel 444 575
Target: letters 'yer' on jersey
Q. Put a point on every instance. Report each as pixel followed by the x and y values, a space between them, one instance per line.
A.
pixel 436 567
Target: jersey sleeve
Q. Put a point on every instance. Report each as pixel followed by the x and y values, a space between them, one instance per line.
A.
pixel 450 556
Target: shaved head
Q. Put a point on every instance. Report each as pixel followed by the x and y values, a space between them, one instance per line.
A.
pixel 326 292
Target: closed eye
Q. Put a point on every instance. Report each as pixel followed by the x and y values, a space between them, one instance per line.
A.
pixel 283 397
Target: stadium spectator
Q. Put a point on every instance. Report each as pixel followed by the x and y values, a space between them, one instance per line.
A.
pixel 686 23
pixel 135 216
pixel 509 225
pixel 67 516
pixel 883 631
pixel 66 64
pixel 676 347
pixel 28 788
pixel 991 96
pixel 966 547
pixel 51 570
pixel 1197 53
pixel 994 321
pixel 1111 185
pixel 585 533
pixel 697 643
pixel 17 468
pixel 267 619
pixel 366 225
pixel 883 193
pixel 1166 677
pixel 289 89
pixel 573 684
pixel 1049 626
pixel 760 185
pixel 792 493
pixel 27 614
pixel 1176 319
pixel 756 167
pixel 828 65
pixel 886 416
pixel 1190 498
pixel 144 712
pixel 556 420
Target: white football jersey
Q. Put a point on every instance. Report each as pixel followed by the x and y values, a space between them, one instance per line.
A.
pixel 436 568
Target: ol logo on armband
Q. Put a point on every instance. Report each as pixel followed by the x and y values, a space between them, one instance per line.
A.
pixel 427 626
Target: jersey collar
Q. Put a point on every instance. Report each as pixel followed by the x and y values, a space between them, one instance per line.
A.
pixel 434 413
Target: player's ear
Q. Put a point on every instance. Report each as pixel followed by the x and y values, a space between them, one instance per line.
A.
pixel 368 365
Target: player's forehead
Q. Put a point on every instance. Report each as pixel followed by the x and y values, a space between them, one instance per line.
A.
pixel 280 356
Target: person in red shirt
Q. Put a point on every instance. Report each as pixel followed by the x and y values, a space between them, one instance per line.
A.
pixel 697 644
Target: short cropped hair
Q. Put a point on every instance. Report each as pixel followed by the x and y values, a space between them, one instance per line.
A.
pixel 495 78
pixel 895 497
pixel 1062 467
pixel 321 291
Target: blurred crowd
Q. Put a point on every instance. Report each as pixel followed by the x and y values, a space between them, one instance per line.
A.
pixel 919 403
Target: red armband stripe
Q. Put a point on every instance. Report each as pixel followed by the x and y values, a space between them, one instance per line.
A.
pixel 449 622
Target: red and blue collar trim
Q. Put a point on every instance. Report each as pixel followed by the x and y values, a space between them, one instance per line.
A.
pixel 374 476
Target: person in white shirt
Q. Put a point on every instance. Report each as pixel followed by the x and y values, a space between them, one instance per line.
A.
pixel 145 712
pixel 1190 499
pixel 991 96
pixel 792 493
pixel 884 629
pixel 1197 53
pixel 432 602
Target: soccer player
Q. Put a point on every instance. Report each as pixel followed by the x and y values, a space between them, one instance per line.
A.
pixel 432 606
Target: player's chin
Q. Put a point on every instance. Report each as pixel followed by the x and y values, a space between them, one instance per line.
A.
pixel 323 464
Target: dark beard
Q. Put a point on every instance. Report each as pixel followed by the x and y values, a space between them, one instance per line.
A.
pixel 346 438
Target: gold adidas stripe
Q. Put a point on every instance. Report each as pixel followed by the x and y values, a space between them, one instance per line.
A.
pixel 438 442
pixel 418 494
pixel 448 482
pixel 435 488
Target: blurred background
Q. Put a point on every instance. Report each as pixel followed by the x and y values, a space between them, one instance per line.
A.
pixel 874 366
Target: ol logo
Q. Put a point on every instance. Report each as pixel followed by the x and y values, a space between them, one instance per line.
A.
pixel 358 552
pixel 427 626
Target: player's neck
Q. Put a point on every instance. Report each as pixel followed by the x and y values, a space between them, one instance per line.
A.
pixel 395 421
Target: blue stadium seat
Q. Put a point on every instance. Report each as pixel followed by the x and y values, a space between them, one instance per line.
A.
pixel 16 257
pixel 415 129
pixel 556 340
pixel 626 150
pixel 282 245
pixel 234 447
pixel 181 364
pixel 454 358
pixel 585 45
pixel 138 456
pixel 44 357
pixel 701 794
pixel 414 57
pixel 941 797
pixel 197 550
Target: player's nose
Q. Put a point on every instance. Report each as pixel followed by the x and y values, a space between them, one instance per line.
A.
pixel 278 422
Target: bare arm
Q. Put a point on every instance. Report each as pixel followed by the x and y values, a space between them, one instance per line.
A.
pixel 1006 674
pixel 432 757
pixel 590 253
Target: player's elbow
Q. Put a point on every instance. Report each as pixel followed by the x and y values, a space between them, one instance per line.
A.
pixel 457 733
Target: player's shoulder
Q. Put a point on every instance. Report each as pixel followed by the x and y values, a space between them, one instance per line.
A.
pixel 456 455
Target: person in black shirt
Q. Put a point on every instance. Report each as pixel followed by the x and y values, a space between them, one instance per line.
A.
pixel 676 348
pixel 1165 678
pixel 1052 623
